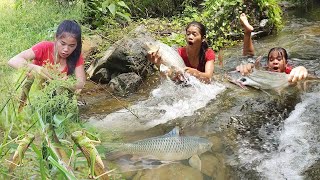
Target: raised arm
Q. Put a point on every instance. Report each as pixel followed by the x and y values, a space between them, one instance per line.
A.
pixel 21 60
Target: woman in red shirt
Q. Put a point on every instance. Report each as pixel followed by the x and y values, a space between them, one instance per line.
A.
pixel 277 57
pixel 197 55
pixel 65 52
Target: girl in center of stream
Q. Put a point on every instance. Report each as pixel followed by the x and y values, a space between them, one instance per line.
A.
pixel 197 55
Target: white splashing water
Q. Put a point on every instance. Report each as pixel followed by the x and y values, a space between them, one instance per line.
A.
pixel 298 144
pixel 167 102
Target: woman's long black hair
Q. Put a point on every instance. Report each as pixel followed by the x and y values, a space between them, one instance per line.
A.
pixel 204 44
pixel 72 28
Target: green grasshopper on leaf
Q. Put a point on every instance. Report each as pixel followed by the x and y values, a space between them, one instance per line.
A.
pixel 89 150
pixel 18 155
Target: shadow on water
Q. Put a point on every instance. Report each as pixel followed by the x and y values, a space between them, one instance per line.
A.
pixel 254 135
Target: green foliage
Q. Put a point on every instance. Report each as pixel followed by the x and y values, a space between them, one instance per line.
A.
pixel 301 2
pixel 272 11
pixel 56 104
pixel 98 13
pixel 221 20
pixel 152 8
pixel 53 109
pixel 175 39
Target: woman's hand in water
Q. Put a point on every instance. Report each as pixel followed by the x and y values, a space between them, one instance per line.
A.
pixel 297 74
pixel 202 76
pixel 192 71
pixel 176 76
pixel 245 69
pixel 154 57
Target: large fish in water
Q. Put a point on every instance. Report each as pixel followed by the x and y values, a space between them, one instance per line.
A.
pixel 169 147
pixel 170 57
pixel 260 79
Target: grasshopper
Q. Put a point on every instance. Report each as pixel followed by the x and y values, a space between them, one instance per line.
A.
pixel 19 153
pixel 87 147
pixel 25 92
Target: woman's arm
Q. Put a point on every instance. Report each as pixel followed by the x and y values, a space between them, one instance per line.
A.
pixel 21 60
pixel 80 76
pixel 203 76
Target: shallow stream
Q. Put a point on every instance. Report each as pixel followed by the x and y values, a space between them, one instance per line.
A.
pixel 255 135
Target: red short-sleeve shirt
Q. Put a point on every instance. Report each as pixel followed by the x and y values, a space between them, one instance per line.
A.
pixel 288 69
pixel 44 53
pixel 209 56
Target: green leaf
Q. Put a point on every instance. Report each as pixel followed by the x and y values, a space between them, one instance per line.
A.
pixel 62 168
pixel 104 5
pixel 125 16
pixel 58 119
pixel 36 150
pixel 41 121
pixel 123 4
pixel 112 9
pixel 43 169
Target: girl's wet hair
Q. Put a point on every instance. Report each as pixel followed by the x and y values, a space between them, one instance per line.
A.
pixel 204 45
pixel 281 51
pixel 67 28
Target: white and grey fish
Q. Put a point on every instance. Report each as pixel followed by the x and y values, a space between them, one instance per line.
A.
pixel 169 56
pixel 260 79
pixel 169 147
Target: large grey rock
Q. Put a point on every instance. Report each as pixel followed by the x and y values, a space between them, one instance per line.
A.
pixel 126 55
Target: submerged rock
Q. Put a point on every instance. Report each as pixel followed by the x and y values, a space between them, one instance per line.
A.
pixel 214 166
pixel 125 83
pixel 175 171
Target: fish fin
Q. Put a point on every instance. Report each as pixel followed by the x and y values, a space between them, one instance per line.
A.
pixel 174 132
pixel 257 63
pixel 239 84
pixel 195 162
pixel 279 91
pixel 265 92
pixel 111 156
pixel 169 162
pixel 129 165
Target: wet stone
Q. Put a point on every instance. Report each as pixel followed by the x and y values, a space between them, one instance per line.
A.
pixel 217 144
pixel 125 83
pixel 213 166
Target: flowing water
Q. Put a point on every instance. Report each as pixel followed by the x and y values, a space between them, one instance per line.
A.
pixel 255 135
